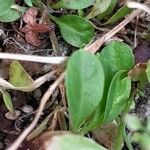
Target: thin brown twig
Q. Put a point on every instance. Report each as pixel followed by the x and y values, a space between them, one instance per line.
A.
pixel 94 47
pixel 43 102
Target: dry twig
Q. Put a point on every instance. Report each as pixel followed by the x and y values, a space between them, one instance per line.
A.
pixel 94 47
pixel 33 58
pixel 137 5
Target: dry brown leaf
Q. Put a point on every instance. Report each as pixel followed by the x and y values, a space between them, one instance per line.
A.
pixel 32 29
pixel 142 53
pixel 30 16
pixel 106 135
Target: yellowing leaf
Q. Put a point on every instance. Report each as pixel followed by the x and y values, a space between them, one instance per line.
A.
pixel 18 76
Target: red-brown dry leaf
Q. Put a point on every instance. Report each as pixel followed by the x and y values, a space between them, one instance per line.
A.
pixel 31 36
pixel 41 28
pixel 142 53
pixel 30 16
pixel 32 29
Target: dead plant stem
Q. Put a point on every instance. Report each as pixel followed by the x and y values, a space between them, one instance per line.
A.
pixel 95 46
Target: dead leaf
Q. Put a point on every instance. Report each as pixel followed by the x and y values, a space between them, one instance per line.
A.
pixel 32 29
pixel 106 135
pixel 30 16
pixel 142 53
pixel 30 36
pixel 138 73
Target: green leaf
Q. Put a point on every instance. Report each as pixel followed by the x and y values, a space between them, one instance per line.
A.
pixel 10 15
pixel 145 141
pixel 99 7
pixel 5 5
pixel 70 141
pixel 108 10
pixel 28 2
pixel 75 30
pixel 114 57
pixel 18 76
pixel 73 4
pixel 148 124
pixel 133 122
pixel 118 95
pixel 37 2
pixel 95 120
pixel 84 85
pixel 122 12
pixel 148 70
pixel 7 100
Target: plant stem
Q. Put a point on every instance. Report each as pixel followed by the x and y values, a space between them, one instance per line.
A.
pixel 127 141
pixel 118 143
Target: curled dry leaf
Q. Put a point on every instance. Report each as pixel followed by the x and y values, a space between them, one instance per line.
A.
pixel 32 29
pixel 138 73
pixel 30 16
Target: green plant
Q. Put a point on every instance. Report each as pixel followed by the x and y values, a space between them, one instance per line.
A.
pixel 140 130
pixel 99 87
pixel 9 11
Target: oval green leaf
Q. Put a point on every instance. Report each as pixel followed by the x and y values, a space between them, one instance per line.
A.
pixel 10 15
pixel 114 57
pixel 118 95
pixel 18 76
pixel 75 30
pixel 84 85
pixel 68 141
pixel 122 12
pixel 73 4
pixel 5 5
pixel 7 100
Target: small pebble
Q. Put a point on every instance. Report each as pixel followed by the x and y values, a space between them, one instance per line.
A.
pixel 10 116
pixel 27 109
